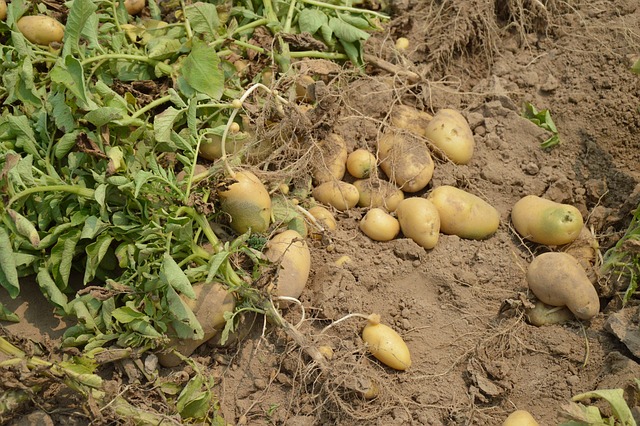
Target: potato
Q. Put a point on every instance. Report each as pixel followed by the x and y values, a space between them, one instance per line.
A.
pixel 402 43
pixel 134 6
pixel 520 418
pixel 247 202
pixel 585 250
pixel 211 145
pixel 419 220
pixel 546 222
pixel 329 161
pixel 386 345
pixel 378 193
pixel 338 194
pixel 360 163
pixel 557 279
pixel 292 253
pixel 379 225
pixel 411 119
pixel 211 302
pixel 449 131
pixel 405 160
pixel 3 10
pixel 464 214
pixel 324 216
pixel 542 314
pixel 41 29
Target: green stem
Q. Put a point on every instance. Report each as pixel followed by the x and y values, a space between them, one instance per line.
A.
pixel 187 25
pixel 271 15
pixel 71 189
pixel 318 54
pixel 125 56
pixel 289 20
pixel 150 106
pixel 344 8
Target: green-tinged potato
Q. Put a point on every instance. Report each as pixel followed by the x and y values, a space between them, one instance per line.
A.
pixel 41 29
pixel 405 160
pixel 211 302
pixel 378 193
pixel 329 161
pixel 557 279
pixel 324 217
pixel 520 418
pixel 379 225
pixel 290 250
pixel 542 314
pixel 408 118
pixel 338 194
pixel 546 222
pixel 419 220
pixel 247 202
pixel 3 10
pixel 211 145
pixel 386 344
pixel 134 6
pixel 450 133
pixel 360 163
pixel 464 214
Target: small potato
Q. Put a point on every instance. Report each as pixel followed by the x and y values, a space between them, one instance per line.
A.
pixel 134 6
pixel 3 10
pixel 291 251
pixel 247 202
pixel 408 118
pixel 386 344
pixel 338 194
pixel 360 163
pixel 419 220
pixel 464 214
pixel 324 216
pixel 379 225
pixel 402 44
pixel 542 314
pixel 406 161
pixel 378 193
pixel 557 279
pixel 451 134
pixel 41 29
pixel 329 162
pixel 520 418
pixel 546 222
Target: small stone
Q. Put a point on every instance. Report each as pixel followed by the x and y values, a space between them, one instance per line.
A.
pixel 260 384
pixel 573 380
pixel 416 263
pixel 531 169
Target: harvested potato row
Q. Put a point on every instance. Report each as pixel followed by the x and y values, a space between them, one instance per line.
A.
pixel 41 29
pixel 546 222
pixel 378 193
pixel 329 162
pixel 405 159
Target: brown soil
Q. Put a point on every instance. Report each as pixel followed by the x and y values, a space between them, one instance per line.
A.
pixel 473 362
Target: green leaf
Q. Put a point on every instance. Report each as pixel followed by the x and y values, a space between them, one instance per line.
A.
pixel 327 35
pixel 163 123
pixel 95 253
pixel 7 315
pixel 62 114
pixel 105 115
pixel 65 144
pixel 202 70
pixel 215 264
pixel 62 255
pixel 353 51
pixel 8 271
pixel 126 314
pixel 193 402
pixel 92 227
pixel 203 18
pixel 79 14
pixel 50 289
pixel 615 398
pixel 310 20
pixel 22 129
pixel 347 32
pixel 173 275
pixel 25 227
pixel 71 75
pixel 186 323
pixel 162 48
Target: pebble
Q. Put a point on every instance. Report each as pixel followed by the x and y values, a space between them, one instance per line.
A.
pixel 260 384
pixel 531 169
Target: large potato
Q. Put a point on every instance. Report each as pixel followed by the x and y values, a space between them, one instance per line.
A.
pixel 290 250
pixel 405 159
pixel 338 194
pixel 546 222
pixel 411 119
pixel 41 29
pixel 211 302
pixel 329 161
pixel 247 202
pixel 419 220
pixel 449 131
pixel 378 193
pixel 464 214
pixel 557 279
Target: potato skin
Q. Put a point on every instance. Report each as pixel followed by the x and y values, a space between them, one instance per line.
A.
pixel 247 202
pixel 324 216
pixel 464 214
pixel 378 193
pixel 387 346
pixel 520 418
pixel 211 146
pixel 379 225
pixel 546 222
pixel 338 194
pixel 419 220
pixel 329 162
pixel 3 10
pixel 291 250
pixel 450 133
pixel 41 29
pixel 408 118
pixel 405 160
pixel 134 6
pixel 557 279
pixel 360 163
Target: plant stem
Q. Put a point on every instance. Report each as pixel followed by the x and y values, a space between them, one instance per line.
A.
pixel 124 56
pixel 80 191
pixel 344 8
pixel 150 106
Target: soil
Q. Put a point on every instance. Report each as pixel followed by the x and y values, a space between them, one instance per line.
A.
pixel 475 359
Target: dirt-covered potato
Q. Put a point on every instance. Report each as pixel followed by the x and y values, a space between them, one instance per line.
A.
pixel 546 222
pixel 408 118
pixel 41 29
pixel 378 193
pixel 405 159
pixel 290 250
pixel 247 202
pixel 329 162
pixel 419 220
pixel 379 225
pixel 134 6
pixel 324 217
pixel 464 214
pixel 557 279
pixel 449 131
pixel 211 302
pixel 360 163
pixel 542 314
pixel 338 194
